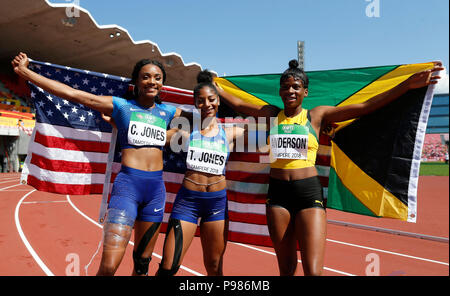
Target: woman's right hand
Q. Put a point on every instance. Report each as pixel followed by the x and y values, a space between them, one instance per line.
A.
pixel 109 120
pixel 425 78
pixel 20 61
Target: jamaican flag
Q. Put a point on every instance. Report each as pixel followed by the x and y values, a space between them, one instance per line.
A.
pixel 370 165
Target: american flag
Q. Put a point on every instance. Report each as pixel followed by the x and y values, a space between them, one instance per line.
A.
pixel 68 149
pixel 72 151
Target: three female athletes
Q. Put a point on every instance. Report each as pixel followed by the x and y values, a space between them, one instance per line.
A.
pixel 295 210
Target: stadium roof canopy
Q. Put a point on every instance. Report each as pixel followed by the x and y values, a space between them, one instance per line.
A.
pixel 68 35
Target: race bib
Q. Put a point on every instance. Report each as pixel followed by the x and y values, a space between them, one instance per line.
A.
pixel 289 141
pixel 146 129
pixel 207 156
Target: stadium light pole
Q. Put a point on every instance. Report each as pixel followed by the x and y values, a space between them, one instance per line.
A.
pixel 301 54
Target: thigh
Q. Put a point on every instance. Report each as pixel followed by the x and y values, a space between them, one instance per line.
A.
pixel 187 231
pixel 115 241
pixel 281 230
pixel 124 196
pixel 311 231
pixel 280 225
pixel 145 238
pixel 213 235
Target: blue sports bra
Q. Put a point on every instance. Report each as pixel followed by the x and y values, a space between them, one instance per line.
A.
pixel 138 127
pixel 207 154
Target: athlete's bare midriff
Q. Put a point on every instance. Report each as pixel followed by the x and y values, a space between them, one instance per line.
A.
pixel 293 174
pixel 145 159
pixel 217 182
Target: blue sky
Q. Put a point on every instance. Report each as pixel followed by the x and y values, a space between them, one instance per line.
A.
pixel 237 37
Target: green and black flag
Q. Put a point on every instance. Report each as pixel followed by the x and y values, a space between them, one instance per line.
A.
pixel 371 165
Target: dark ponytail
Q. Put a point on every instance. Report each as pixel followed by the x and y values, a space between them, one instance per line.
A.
pixel 204 78
pixel 132 92
pixel 295 72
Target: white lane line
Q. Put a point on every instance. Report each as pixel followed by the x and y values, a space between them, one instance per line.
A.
pixel 132 243
pixel 17 190
pixel 4 188
pixel 272 253
pixel 8 181
pixel 24 239
pixel 356 246
pixel 387 252
pixel 43 202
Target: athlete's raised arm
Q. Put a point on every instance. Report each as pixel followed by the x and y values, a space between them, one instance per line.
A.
pixel 337 114
pixel 246 108
pixel 102 104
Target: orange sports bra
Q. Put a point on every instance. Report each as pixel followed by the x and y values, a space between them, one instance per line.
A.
pixel 293 142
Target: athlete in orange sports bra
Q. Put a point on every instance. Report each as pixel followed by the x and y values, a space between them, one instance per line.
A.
pixel 295 210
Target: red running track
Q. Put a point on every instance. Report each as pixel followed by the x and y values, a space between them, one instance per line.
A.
pixel 49 234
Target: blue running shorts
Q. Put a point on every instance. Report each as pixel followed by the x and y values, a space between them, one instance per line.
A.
pixel 191 205
pixel 141 194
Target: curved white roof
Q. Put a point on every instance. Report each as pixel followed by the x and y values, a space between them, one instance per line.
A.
pixel 45 32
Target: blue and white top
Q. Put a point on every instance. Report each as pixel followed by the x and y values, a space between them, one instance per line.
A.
pixel 207 154
pixel 140 127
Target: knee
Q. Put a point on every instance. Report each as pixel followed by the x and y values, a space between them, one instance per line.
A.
pixel 140 264
pixel 166 272
pixel 313 271
pixel 106 270
pixel 213 265
pixel 312 267
pixel 288 269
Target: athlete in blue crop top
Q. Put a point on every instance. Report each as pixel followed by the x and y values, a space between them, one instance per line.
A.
pixel 138 194
pixel 203 193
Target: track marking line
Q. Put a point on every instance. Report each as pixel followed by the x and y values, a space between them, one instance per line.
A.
pixel 4 188
pixel 131 242
pixel 387 252
pixel 300 261
pixel 7 181
pixel 17 190
pixel 43 202
pixel 24 239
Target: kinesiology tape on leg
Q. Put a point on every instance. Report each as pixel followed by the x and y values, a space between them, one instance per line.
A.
pixel 178 236
pixel 117 230
pixel 140 263
pixel 167 272
pixel 178 233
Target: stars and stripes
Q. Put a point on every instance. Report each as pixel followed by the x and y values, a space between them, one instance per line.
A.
pixel 69 147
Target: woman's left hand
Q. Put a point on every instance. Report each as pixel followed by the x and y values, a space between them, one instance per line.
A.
pixel 425 78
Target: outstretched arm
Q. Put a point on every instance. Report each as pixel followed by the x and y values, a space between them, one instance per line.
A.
pixel 102 104
pixel 247 108
pixel 336 114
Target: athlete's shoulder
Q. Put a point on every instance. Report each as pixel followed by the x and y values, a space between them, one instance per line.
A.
pixel 118 105
pixel 168 108
pixel 120 100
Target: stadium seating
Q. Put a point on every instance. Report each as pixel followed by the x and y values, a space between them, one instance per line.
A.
pixel 434 148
